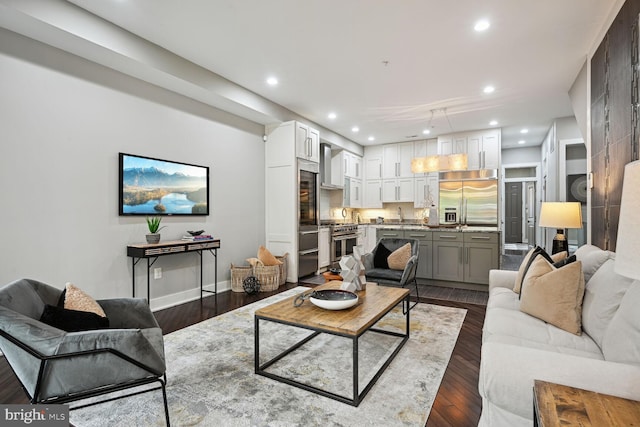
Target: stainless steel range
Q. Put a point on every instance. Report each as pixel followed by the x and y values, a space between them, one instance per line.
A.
pixel 344 238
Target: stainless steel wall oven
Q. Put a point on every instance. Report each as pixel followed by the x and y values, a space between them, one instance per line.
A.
pixel 308 217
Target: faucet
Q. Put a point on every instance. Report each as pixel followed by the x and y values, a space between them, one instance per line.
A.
pixel 400 214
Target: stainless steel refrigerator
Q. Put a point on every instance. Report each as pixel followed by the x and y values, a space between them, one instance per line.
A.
pixel 469 197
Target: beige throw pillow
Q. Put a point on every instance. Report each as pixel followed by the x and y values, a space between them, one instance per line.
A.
pixel 526 264
pixel 266 257
pixel 76 299
pixel 554 294
pixel 523 269
pixel 559 256
pixel 400 257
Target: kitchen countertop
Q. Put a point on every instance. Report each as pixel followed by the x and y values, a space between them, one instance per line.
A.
pixel 463 229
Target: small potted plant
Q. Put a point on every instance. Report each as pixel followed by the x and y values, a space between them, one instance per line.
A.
pixel 154 227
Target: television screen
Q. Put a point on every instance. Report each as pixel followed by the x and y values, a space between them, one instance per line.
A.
pixel 151 186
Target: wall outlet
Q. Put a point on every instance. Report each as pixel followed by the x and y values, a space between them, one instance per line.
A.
pixel 157 273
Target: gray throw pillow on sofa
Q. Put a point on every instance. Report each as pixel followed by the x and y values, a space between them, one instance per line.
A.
pixel 592 258
pixel 621 342
pixel 602 297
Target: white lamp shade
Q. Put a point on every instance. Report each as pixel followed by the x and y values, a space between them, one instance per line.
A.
pixel 628 243
pixel 561 215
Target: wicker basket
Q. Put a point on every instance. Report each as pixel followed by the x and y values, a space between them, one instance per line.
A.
pixel 268 276
pixel 238 274
pixel 283 268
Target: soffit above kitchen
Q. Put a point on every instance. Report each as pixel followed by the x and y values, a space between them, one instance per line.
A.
pixel 390 68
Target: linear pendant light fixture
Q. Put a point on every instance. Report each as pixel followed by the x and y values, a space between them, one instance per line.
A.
pixel 439 163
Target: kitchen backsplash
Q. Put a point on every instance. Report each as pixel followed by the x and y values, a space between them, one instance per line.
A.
pixel 389 212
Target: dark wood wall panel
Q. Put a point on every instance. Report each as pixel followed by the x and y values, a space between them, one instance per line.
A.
pixel 614 121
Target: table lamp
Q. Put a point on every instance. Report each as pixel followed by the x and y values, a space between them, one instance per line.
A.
pixel 560 215
pixel 628 243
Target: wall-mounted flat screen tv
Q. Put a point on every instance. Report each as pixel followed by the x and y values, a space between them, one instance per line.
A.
pixel 151 186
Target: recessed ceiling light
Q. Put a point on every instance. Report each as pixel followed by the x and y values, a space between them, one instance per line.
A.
pixel 272 81
pixel 355 129
pixel 426 131
pixel 525 130
pixel 481 25
pixel 488 89
pixel 493 123
pixel 371 138
pixel 522 141
pixel 332 115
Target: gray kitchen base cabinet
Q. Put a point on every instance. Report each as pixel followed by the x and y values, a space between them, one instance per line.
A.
pixel 482 253
pixel 452 256
pixel 479 259
pixel 389 233
pixel 465 257
pixel 448 256
pixel 425 255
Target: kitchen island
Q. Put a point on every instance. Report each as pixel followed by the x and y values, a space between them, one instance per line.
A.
pixel 454 254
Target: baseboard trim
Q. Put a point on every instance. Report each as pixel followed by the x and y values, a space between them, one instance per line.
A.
pixel 171 300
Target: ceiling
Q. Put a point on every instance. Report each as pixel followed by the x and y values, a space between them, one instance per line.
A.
pixel 392 68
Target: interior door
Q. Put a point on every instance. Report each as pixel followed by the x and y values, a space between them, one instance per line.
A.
pixel 513 212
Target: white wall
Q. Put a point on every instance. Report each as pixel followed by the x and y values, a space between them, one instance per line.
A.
pixel 579 100
pixel 567 128
pixel 63 121
pixel 521 155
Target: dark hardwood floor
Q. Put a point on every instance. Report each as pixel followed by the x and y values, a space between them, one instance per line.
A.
pixel 457 402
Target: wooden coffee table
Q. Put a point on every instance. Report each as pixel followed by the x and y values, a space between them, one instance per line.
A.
pixel 374 303
pixel 556 405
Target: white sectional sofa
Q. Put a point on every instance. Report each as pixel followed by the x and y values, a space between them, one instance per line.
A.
pixel 518 348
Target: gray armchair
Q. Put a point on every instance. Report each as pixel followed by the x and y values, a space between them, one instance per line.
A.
pixel 55 366
pixel 389 277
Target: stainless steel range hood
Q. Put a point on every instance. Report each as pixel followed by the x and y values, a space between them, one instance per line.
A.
pixel 325 169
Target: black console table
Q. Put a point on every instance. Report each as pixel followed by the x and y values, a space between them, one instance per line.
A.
pixel 151 252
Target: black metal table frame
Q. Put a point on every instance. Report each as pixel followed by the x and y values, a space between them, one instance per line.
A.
pixel 260 369
pixel 135 260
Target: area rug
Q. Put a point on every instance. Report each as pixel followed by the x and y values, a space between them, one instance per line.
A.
pixel 211 379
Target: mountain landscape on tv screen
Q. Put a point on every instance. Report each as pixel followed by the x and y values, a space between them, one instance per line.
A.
pixel 154 191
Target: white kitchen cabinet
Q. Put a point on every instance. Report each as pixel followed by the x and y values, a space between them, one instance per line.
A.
pixel 373 162
pixel 482 147
pixel 347 165
pixel 352 193
pixel 397 190
pixel 427 147
pixel 445 145
pixel 307 143
pixel 354 166
pixel 396 160
pixel 373 168
pixel 452 144
pixel 483 150
pixel 285 144
pixel 367 239
pixel 372 184
pixel 491 148
pixel 426 190
pixel 372 194
pixel 460 143
pixel 488 150
pixel 324 247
